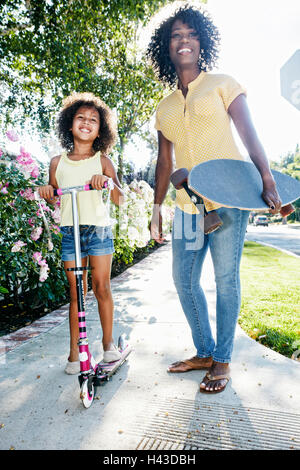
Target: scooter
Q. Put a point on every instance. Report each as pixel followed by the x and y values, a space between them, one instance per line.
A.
pixel 92 374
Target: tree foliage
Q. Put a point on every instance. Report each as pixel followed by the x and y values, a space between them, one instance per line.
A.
pixel 290 165
pixel 49 48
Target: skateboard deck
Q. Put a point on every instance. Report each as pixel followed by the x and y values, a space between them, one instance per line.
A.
pixel 238 184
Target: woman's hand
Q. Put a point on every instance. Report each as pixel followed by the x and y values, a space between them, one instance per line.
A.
pixel 270 194
pixel 97 181
pixel 155 226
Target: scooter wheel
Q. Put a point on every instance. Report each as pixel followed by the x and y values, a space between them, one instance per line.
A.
pixel 87 393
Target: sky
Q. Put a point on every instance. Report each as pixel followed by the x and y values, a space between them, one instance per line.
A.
pixel 257 38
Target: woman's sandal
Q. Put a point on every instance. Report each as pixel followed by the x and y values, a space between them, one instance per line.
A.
pixel 214 378
pixel 189 364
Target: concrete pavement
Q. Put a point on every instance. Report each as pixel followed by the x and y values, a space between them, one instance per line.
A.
pixel 143 406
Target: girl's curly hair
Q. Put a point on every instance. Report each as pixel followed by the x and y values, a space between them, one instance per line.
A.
pixel 108 131
pixel 158 49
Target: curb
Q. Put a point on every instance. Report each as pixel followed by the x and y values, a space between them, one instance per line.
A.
pixel 287 252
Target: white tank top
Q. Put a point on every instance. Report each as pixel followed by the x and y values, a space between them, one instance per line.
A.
pixel 91 208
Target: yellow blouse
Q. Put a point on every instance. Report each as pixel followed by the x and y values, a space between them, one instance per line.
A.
pixel 199 126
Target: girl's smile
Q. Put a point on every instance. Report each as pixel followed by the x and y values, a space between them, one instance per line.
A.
pixel 86 123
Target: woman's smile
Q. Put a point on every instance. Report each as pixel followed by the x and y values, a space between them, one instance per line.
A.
pixel 184 51
pixel 184 47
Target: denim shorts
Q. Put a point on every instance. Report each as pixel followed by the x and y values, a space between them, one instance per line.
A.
pixel 94 241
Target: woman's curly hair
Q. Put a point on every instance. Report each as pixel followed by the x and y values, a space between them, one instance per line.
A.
pixel 107 131
pixel 158 49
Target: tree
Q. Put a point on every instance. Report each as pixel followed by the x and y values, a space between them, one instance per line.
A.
pixel 49 48
pixel 290 165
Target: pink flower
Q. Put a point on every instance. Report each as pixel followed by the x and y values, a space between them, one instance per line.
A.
pixel 44 207
pixel 27 194
pixel 35 172
pixel 12 135
pixel 24 159
pixel 3 188
pixel 36 233
pixel 17 246
pixel 50 245
pixel 43 263
pixel 1 153
pixel 28 165
pixel 44 273
pixel 37 256
pixel 31 221
pixel 55 229
pixel 44 268
pixel 56 215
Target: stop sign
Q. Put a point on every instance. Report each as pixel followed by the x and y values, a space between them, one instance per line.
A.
pixel 290 80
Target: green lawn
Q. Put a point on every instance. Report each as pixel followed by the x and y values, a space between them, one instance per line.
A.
pixel 270 311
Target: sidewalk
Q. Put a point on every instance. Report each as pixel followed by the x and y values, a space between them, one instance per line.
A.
pixel 143 406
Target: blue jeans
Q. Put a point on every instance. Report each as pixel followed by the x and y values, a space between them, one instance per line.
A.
pixel 94 241
pixel 190 246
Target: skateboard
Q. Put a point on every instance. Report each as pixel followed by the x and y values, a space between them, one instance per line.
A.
pixel 235 184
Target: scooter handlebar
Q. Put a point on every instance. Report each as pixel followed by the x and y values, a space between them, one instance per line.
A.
pixel 85 187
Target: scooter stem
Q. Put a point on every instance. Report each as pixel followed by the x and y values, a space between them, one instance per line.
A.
pixel 76 229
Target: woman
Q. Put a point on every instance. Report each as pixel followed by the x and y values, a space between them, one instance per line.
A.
pixel 194 120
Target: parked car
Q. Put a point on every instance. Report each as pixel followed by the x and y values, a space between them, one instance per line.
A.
pixel 261 220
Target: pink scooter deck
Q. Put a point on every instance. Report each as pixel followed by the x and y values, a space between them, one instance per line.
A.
pixel 106 369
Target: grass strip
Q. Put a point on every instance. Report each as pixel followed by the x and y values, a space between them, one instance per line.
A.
pixel 270 310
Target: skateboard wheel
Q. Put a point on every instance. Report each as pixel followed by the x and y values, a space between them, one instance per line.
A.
pixel 178 177
pixel 212 222
pixel 287 210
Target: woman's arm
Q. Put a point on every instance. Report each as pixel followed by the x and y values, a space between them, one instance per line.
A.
pixel 163 171
pixel 240 115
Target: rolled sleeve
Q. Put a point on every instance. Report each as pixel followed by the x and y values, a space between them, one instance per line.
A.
pixel 231 90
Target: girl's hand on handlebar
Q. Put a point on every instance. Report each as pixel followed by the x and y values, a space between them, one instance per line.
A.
pixel 46 192
pixel 97 181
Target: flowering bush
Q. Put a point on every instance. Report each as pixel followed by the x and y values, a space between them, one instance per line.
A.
pixel 131 220
pixel 29 254
pixel 30 238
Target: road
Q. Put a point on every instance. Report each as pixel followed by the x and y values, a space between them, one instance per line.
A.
pixel 279 236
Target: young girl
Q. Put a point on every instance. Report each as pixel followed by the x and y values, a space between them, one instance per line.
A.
pixel 86 129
